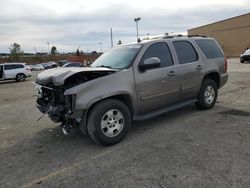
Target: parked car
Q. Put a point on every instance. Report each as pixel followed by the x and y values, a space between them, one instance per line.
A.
pixel 14 71
pixel 45 65
pixel 133 82
pixel 37 67
pixel 73 64
pixel 62 62
pixel 52 64
pixel 245 56
pixel 49 65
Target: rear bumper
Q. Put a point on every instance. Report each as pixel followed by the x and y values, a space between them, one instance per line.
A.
pixel 223 79
pixel 28 74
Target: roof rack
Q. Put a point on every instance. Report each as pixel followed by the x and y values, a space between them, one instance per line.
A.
pixel 174 36
pixel 166 36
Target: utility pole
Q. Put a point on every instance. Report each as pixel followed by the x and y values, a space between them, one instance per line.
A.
pixel 137 21
pixel 111 37
pixel 48 47
pixel 100 43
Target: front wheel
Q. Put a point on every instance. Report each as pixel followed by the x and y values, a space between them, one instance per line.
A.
pixel 207 95
pixel 109 122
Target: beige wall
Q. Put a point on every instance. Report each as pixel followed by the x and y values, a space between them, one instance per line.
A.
pixel 232 34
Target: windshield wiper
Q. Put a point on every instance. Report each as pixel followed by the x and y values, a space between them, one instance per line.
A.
pixel 109 67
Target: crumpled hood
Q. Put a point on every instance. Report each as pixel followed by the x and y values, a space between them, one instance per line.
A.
pixel 59 75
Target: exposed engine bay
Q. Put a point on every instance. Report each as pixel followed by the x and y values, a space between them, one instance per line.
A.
pixel 51 86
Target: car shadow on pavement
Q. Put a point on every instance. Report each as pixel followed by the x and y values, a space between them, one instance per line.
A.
pixel 7 81
pixel 167 117
pixel 55 137
pixel 11 81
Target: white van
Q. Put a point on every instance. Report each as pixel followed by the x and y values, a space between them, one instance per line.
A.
pixel 14 71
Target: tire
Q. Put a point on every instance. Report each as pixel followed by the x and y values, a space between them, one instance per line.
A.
pixel 20 77
pixel 108 122
pixel 207 95
pixel 242 61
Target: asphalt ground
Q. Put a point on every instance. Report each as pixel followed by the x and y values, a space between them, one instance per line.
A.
pixel 185 148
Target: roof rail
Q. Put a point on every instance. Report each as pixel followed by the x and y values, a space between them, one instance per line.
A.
pixel 174 36
pixel 197 36
pixel 165 36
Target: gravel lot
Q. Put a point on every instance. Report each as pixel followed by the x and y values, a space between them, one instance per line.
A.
pixel 184 148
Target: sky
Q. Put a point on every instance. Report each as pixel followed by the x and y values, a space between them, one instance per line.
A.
pixel 37 25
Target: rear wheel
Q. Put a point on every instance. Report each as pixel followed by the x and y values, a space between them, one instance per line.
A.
pixel 207 95
pixel 109 122
pixel 20 77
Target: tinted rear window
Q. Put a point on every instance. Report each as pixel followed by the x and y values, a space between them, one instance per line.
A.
pixel 209 48
pixel 185 52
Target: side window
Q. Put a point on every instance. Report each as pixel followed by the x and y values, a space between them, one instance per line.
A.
pixel 185 52
pixel 209 48
pixel 19 66
pixel 161 51
pixel 8 67
pixel 14 66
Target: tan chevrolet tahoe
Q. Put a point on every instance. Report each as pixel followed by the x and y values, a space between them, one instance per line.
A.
pixel 133 82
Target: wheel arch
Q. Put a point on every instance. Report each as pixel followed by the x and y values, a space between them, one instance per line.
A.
pixel 20 73
pixel 214 76
pixel 125 98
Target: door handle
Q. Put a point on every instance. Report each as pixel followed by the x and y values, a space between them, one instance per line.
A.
pixel 171 73
pixel 199 67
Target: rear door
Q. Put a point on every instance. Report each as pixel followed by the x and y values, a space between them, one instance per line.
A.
pixel 10 71
pixel 157 87
pixel 191 67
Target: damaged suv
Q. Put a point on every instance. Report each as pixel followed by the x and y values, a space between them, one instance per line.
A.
pixel 133 82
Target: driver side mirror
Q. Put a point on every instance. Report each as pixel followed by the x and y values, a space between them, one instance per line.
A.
pixel 149 63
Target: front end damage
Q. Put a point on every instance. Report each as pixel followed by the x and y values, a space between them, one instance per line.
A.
pixel 52 100
pixel 58 107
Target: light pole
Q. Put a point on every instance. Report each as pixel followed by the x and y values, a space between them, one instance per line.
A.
pixel 111 37
pixel 100 43
pixel 136 21
pixel 48 47
pixel 35 50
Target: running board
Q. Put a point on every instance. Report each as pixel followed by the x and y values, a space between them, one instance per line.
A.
pixel 163 110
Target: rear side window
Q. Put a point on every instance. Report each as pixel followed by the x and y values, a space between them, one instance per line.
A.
pixel 209 48
pixel 14 66
pixel 185 52
pixel 161 51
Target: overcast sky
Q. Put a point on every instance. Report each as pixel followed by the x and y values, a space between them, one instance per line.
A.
pixel 84 24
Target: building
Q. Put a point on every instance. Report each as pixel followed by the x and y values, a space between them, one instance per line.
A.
pixel 233 34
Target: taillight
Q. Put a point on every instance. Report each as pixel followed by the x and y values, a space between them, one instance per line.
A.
pixel 225 64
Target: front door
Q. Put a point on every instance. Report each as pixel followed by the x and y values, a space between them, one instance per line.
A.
pixel 157 87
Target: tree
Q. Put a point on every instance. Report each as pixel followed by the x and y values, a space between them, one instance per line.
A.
pixel 15 52
pixel 77 52
pixel 53 50
pixel 119 42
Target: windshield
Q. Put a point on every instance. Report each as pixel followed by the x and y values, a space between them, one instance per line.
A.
pixel 118 58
